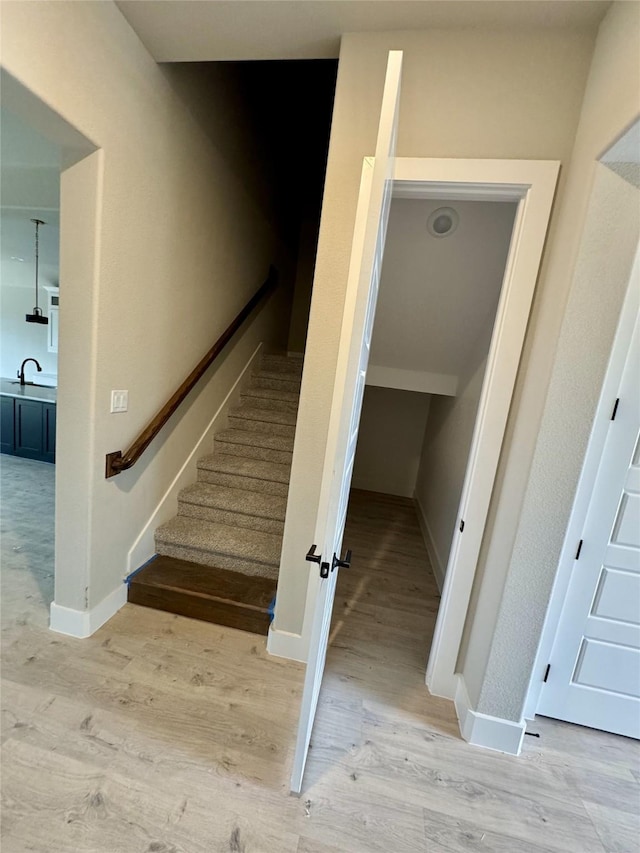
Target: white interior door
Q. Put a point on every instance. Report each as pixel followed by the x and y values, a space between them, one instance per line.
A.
pixel 594 674
pixel 353 356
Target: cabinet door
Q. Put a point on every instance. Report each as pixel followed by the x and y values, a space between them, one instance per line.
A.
pixel 6 425
pixel 49 432
pixel 28 429
pixel 53 329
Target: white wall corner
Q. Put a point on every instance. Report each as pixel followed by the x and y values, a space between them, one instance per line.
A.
pixel 283 644
pixel 144 547
pixel 439 568
pixel 84 623
pixel 484 730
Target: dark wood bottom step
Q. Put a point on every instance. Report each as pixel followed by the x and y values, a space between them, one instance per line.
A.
pixel 204 592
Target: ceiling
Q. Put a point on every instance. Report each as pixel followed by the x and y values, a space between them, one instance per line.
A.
pixel 22 146
pixel 206 30
pixel 438 296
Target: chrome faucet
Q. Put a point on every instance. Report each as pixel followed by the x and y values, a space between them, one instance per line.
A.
pixel 20 373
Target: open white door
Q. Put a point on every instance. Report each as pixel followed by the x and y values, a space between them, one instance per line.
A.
pixel 353 356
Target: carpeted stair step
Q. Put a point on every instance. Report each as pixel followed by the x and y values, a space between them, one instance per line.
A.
pixel 204 592
pixel 240 472
pixel 252 552
pixel 255 444
pixel 251 417
pixel 255 510
pixel 282 364
pixel 276 381
pixel 271 403
pixel 289 399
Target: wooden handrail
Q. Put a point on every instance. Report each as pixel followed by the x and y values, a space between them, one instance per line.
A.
pixel 119 461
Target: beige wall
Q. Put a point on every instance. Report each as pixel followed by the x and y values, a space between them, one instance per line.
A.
pixel 180 245
pixel 445 451
pixel 497 666
pixel 305 266
pixel 390 440
pixel 535 490
pixel 435 314
pixel 464 94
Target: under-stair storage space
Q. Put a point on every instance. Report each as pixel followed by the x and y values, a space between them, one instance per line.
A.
pixel 219 557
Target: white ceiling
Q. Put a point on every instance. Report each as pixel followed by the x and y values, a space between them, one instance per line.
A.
pixel 438 294
pixel 205 30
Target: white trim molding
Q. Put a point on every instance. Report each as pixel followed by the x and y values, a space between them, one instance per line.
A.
pixel 84 623
pixel 412 380
pixel 144 547
pixel 484 730
pixel 283 644
pixel 437 564
pixel 531 184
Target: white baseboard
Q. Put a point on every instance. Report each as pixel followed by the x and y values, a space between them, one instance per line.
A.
pixel 84 623
pixel 282 644
pixel 439 568
pixel 144 547
pixel 484 730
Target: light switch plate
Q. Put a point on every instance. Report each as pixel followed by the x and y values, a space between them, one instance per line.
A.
pixel 119 401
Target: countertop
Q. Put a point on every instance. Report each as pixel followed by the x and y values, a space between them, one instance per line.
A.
pixel 11 388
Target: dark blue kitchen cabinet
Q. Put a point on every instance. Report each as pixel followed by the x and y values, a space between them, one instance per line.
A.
pixel 49 432
pixel 29 429
pixel 6 425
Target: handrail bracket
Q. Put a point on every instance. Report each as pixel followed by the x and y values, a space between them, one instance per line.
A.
pixel 112 466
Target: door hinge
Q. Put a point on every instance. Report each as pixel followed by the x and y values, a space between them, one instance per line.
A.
pixel 546 673
pixel 461 525
pixel 615 409
pixel 577 556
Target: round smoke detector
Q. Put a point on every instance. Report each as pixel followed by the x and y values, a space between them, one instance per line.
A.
pixel 443 222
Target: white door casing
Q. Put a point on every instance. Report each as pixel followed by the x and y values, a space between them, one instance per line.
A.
pixel 530 183
pixel 594 666
pixel 365 267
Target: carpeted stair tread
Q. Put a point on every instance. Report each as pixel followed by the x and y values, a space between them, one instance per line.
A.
pixel 256 439
pixel 272 394
pixel 249 443
pixel 271 403
pixel 220 540
pixel 252 412
pixel 282 364
pixel 257 469
pixel 271 379
pixel 235 500
pixel 208 593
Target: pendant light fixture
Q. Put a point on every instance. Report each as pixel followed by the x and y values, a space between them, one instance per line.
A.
pixel 37 316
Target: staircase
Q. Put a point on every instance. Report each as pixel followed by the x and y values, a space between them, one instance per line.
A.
pixel 218 559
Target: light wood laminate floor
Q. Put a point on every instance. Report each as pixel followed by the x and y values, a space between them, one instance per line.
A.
pixel 160 734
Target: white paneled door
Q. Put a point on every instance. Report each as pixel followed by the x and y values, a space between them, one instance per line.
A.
pixel 353 356
pixel 594 674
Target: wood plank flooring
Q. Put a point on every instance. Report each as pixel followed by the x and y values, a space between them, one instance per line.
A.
pixel 162 734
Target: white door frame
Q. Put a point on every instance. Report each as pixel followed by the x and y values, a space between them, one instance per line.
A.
pixel 584 491
pixel 531 184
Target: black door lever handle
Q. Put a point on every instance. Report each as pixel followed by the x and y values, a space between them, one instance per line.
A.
pixel 312 557
pixel 343 564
